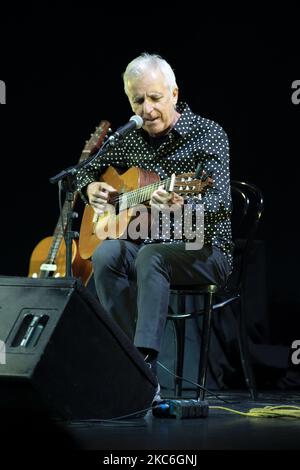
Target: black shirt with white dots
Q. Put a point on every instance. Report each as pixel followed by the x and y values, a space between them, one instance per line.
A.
pixel 192 141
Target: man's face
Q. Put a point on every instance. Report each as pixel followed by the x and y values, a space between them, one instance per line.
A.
pixel 152 99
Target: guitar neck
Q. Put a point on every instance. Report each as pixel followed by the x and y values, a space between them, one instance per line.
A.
pixel 58 233
pixel 143 194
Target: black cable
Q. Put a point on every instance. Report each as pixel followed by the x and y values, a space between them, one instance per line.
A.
pixel 193 383
pixel 115 420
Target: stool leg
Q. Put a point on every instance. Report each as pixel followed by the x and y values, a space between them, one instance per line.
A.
pixel 180 339
pixel 206 330
pixel 244 351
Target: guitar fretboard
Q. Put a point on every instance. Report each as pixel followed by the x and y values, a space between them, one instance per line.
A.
pixel 58 235
pixel 140 195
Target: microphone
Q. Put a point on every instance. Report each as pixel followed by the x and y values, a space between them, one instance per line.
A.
pixel 135 122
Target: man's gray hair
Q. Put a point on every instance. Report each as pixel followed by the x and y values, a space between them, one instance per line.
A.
pixel 139 66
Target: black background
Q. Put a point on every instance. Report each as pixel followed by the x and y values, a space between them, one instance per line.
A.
pixel 62 66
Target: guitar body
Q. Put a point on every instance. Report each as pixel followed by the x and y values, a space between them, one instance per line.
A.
pixel 95 229
pixel 81 268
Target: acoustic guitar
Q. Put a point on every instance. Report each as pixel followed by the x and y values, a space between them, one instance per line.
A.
pixel 134 187
pixel 48 258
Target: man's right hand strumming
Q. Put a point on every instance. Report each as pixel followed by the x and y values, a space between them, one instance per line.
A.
pixel 98 195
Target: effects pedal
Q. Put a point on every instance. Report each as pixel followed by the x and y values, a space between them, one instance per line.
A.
pixel 180 409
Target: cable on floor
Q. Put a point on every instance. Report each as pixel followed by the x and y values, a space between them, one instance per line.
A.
pixel 283 411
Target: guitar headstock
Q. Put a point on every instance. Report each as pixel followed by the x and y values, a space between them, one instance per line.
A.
pixel 186 184
pixel 96 139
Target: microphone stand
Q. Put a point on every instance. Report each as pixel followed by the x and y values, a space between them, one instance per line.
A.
pixel 67 178
pixel 69 234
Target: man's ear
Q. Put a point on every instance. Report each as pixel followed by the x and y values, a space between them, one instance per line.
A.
pixel 175 95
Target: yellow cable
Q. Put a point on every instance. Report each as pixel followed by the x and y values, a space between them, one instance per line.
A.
pixel 283 411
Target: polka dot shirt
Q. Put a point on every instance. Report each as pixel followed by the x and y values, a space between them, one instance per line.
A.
pixel 193 140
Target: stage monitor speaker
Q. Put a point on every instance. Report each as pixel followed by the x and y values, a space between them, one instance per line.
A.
pixel 65 355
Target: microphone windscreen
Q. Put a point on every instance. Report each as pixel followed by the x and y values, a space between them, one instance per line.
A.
pixel 138 121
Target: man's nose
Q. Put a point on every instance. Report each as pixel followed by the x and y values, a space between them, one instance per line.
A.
pixel 147 107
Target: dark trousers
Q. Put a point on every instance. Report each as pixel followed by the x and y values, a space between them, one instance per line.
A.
pixel 132 282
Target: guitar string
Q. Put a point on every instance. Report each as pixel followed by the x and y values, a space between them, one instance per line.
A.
pixel 144 190
pixel 140 191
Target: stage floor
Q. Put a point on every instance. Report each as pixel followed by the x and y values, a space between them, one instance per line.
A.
pixel 221 429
